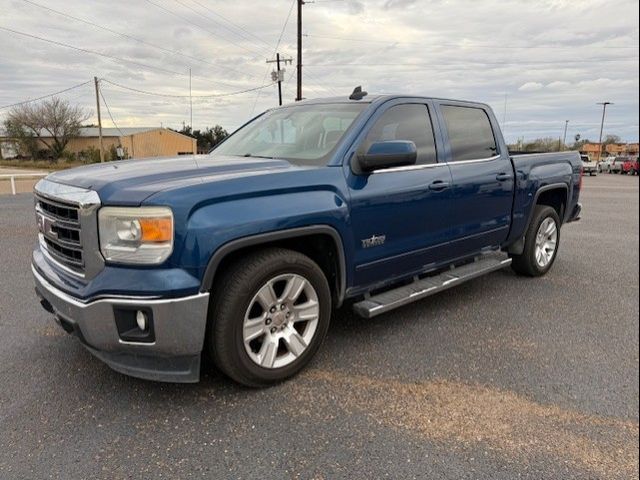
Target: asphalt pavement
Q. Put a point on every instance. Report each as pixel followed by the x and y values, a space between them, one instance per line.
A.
pixel 504 377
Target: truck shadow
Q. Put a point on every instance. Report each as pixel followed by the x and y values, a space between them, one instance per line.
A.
pixel 350 338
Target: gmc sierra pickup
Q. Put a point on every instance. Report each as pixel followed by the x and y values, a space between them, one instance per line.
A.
pixel 244 253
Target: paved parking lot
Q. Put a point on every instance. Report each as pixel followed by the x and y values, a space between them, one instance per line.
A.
pixel 504 377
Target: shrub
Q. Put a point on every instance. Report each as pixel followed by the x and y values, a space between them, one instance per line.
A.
pixel 90 155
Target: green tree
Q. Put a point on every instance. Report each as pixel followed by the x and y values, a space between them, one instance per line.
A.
pixel 208 138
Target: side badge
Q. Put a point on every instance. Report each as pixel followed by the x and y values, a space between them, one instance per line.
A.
pixel 374 241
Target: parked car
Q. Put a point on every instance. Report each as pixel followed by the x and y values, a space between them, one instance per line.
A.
pixel 605 164
pixel 244 253
pixel 630 166
pixel 616 165
pixel 589 166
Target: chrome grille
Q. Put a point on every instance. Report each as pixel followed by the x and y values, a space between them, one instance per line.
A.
pixel 60 232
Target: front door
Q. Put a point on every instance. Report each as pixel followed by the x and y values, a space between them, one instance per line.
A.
pixel 399 215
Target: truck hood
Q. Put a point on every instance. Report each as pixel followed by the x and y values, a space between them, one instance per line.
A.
pixel 130 182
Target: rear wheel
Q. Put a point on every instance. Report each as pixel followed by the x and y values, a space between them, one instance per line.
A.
pixel 269 315
pixel 540 245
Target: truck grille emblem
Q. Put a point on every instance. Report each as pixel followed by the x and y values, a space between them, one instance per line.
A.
pixel 374 241
pixel 45 225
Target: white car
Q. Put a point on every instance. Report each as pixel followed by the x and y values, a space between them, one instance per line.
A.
pixel 606 164
pixel 589 166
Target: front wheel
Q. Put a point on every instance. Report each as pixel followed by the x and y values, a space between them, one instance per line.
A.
pixel 540 244
pixel 270 313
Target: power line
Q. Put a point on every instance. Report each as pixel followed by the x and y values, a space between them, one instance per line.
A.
pixel 169 95
pixel 284 26
pixel 109 112
pixel 86 50
pixel 230 22
pixel 248 33
pixel 46 96
pixel 131 37
pixel 210 32
pixel 112 57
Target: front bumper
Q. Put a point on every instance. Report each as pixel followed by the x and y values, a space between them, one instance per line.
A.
pixel 179 329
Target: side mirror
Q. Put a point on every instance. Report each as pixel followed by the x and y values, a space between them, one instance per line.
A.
pixel 393 153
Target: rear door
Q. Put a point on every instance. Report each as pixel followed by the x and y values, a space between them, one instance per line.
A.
pixel 399 215
pixel 483 178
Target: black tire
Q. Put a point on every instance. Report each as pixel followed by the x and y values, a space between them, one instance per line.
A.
pixel 525 264
pixel 231 297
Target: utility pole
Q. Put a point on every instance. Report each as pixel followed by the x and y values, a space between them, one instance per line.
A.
pixel 604 109
pixel 299 65
pixel 191 112
pixel 564 136
pixel 278 75
pixel 95 79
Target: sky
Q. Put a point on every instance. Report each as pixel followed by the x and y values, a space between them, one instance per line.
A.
pixel 537 62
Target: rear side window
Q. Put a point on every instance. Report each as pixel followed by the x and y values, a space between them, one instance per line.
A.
pixel 470 133
pixel 406 122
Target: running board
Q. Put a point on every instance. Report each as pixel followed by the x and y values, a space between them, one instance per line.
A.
pixel 386 301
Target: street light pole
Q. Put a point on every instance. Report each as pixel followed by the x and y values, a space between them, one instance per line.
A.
pixel 604 109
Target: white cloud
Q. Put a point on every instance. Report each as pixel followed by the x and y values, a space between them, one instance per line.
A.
pixel 531 87
pixel 554 59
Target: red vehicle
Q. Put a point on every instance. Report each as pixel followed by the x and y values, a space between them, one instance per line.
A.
pixel 630 166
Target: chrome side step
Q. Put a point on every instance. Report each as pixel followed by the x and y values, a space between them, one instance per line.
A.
pixel 386 301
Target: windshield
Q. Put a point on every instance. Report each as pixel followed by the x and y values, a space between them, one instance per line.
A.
pixel 304 134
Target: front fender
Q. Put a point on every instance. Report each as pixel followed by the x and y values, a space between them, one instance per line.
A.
pixel 211 227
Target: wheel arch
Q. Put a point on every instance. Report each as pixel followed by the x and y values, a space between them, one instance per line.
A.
pixel 321 243
pixel 555 195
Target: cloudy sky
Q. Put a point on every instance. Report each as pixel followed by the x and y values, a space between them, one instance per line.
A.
pixel 546 61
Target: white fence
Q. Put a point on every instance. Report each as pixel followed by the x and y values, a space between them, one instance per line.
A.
pixel 12 178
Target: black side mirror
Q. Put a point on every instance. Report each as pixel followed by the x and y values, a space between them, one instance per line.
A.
pixel 393 153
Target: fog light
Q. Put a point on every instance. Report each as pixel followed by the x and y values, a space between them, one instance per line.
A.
pixel 141 320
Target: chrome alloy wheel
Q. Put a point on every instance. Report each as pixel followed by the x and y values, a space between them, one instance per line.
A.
pixel 280 321
pixel 546 242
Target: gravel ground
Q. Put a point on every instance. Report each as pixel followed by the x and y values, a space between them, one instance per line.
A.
pixel 504 377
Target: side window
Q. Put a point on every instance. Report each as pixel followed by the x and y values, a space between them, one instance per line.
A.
pixel 406 122
pixel 470 133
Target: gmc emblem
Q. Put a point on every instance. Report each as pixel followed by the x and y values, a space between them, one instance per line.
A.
pixel 45 225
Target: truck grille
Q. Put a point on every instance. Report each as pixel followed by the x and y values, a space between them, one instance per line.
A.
pixel 60 232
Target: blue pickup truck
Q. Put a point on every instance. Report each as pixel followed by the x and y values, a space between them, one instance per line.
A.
pixel 240 256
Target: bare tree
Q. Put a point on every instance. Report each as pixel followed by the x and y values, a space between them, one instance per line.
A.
pixel 52 122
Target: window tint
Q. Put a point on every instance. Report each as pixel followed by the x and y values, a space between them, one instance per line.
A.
pixel 470 133
pixel 406 122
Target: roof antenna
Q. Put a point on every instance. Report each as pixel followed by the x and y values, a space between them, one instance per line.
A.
pixel 357 94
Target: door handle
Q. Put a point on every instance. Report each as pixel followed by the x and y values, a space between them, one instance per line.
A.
pixel 503 177
pixel 438 185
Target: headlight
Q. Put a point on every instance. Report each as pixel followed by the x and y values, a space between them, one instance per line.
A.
pixel 141 235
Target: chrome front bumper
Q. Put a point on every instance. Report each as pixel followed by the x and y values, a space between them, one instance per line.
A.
pixel 179 328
